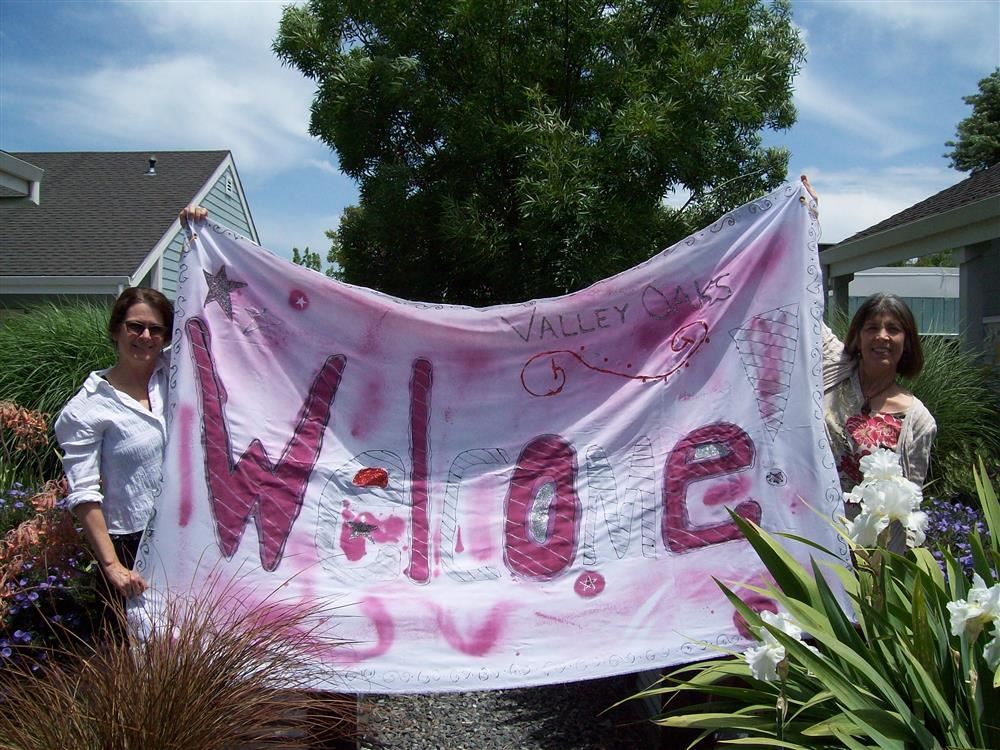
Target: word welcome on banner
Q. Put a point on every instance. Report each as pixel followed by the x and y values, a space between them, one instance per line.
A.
pixel 507 496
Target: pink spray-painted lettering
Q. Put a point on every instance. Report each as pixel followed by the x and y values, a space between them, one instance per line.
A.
pixel 271 492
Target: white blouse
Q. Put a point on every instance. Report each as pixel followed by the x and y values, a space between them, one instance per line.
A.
pixel 113 448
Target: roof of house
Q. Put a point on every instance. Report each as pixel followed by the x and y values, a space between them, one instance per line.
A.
pixel 100 212
pixel 975 187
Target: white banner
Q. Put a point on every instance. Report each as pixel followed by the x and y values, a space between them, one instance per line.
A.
pixel 508 496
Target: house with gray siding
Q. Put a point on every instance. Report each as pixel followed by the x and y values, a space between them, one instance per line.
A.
pixel 89 224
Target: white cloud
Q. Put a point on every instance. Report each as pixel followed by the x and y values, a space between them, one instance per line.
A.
pixel 323 166
pixel 854 199
pixel 251 25
pixel 816 98
pixel 209 80
pixel 966 31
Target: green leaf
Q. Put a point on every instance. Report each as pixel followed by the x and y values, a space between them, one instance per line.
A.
pixel 891 731
pixel 769 743
pixel 924 646
pixel 807 542
pixel 926 562
pixel 853 744
pixel 717 721
pixel 980 563
pixel 928 683
pixel 838 724
pixel 988 501
pixel 843 628
pixel 789 575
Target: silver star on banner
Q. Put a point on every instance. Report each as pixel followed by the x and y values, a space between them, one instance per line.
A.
pixel 219 289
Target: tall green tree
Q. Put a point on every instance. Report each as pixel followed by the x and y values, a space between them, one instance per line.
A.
pixel 978 144
pixel 307 258
pixel 508 149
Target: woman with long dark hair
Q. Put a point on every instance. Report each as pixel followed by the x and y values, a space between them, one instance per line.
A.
pixel 865 406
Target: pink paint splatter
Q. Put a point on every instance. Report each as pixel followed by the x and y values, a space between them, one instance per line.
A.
pixel 351 542
pixel 730 491
pixel 373 336
pixel 559 620
pixel 459 547
pixel 589 584
pixel 482 540
pixel 186 417
pixel 302 552
pixel 369 411
pixel 482 638
pixel 385 629
pixel 359 529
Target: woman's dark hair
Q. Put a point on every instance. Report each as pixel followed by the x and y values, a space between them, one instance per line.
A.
pixel 912 361
pixel 135 295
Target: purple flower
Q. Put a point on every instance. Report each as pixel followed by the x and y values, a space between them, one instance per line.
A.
pixel 5 652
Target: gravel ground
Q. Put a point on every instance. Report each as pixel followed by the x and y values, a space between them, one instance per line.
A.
pixel 555 717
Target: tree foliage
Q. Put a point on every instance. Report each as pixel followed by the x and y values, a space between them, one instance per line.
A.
pixel 307 258
pixel 978 144
pixel 310 259
pixel 507 149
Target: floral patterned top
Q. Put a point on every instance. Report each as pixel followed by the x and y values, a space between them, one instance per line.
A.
pixel 862 434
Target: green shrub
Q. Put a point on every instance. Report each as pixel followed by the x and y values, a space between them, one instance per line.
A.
pixel 45 355
pixel 964 398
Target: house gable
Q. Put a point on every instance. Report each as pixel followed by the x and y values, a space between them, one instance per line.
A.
pixel 105 220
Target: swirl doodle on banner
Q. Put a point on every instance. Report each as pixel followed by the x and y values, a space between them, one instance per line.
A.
pixel 545 373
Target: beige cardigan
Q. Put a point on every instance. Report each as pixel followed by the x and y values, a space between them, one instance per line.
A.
pixel 919 427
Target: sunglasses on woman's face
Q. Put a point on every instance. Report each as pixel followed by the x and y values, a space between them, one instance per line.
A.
pixel 136 329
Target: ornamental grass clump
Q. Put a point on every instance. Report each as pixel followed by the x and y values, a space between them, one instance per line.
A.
pixel 964 397
pixel 911 661
pixel 208 676
pixel 46 353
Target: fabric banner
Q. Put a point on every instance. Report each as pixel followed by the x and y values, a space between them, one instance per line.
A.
pixel 499 497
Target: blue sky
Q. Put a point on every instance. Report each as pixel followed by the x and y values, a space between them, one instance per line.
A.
pixel 880 93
